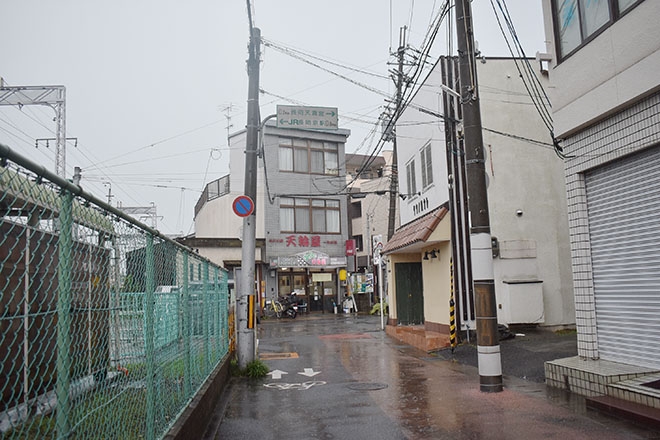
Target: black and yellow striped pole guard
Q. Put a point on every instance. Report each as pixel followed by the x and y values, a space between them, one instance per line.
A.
pixel 452 309
pixel 250 311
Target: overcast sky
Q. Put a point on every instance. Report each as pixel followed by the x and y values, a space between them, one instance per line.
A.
pixel 148 81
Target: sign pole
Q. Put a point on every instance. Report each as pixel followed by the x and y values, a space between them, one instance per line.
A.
pixel 246 332
pixel 377 247
pixel 380 294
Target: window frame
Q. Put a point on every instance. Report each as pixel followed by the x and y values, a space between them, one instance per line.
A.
pixel 311 146
pixel 411 177
pixel 426 165
pixel 615 15
pixel 310 206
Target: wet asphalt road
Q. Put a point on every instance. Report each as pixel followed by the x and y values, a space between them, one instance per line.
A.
pixel 420 397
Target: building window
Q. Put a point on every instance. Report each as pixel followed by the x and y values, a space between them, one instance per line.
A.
pixel 359 244
pixel 286 158
pixel 427 167
pixel 287 215
pixel 309 157
pixel 577 21
pixel 309 215
pixel 356 209
pixel 410 175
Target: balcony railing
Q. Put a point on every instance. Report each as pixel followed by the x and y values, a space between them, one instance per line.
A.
pixel 213 190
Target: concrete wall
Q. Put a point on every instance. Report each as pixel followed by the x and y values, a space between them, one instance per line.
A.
pixel 377 207
pixel 297 183
pixel 526 177
pixel 219 254
pixel 436 275
pixel 614 69
pixel 522 176
pixel 217 218
pixel 414 130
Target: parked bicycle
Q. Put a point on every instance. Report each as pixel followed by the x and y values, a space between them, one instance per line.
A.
pixel 286 307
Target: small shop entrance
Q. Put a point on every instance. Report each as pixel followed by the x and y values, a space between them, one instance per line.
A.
pixel 293 282
pixel 323 292
pixel 409 293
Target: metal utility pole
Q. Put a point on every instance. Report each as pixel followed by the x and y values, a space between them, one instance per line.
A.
pixel 397 111
pixel 51 96
pixel 148 212
pixel 488 348
pixel 246 334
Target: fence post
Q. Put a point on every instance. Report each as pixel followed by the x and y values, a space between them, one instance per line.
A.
pixel 187 376
pixel 207 313
pixel 149 336
pixel 63 318
pixel 224 310
pixel 216 319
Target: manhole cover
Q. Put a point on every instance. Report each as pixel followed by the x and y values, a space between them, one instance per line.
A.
pixel 367 386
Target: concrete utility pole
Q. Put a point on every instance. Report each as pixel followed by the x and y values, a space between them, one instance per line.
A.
pixel 246 335
pixel 397 110
pixel 488 348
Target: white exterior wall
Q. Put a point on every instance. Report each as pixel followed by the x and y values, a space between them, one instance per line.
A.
pixel 414 130
pixel 522 176
pixel 605 108
pixel 217 218
pixel 529 178
pixel 609 73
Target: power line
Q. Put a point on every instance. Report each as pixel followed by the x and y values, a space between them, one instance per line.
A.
pixel 284 48
pixel 153 144
pixel 520 138
pixel 151 159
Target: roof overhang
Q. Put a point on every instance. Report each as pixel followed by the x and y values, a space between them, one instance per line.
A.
pixel 415 236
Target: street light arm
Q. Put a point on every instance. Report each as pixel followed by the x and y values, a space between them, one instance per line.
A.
pixel 261 133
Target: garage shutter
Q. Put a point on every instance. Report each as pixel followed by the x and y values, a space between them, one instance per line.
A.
pixel 623 201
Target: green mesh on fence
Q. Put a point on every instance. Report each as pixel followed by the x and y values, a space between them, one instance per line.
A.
pixel 106 331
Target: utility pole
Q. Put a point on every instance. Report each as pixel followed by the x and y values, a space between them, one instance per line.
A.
pixel 397 111
pixel 51 96
pixel 110 196
pixel 488 348
pixel 246 333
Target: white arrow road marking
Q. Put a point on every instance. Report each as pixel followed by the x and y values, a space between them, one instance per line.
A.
pixel 294 386
pixel 277 374
pixel 309 372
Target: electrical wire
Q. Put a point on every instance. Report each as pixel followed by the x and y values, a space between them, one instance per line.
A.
pixel 530 80
pixel 153 144
pixel 284 47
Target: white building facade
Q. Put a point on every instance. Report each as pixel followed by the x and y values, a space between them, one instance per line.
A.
pixel 526 196
pixel 603 62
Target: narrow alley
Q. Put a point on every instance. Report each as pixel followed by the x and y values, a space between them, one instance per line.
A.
pixel 339 377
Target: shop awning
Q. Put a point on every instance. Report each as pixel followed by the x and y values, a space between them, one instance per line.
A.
pixel 417 231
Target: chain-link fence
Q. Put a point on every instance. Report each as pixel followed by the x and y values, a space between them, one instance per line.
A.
pixel 107 328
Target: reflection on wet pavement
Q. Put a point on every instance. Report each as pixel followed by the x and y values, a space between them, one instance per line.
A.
pixel 424 399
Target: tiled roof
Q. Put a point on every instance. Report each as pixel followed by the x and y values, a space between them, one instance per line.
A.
pixel 417 231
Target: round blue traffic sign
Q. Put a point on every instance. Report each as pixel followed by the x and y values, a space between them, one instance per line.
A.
pixel 243 206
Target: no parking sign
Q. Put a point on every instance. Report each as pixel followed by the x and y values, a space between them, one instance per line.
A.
pixel 243 206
